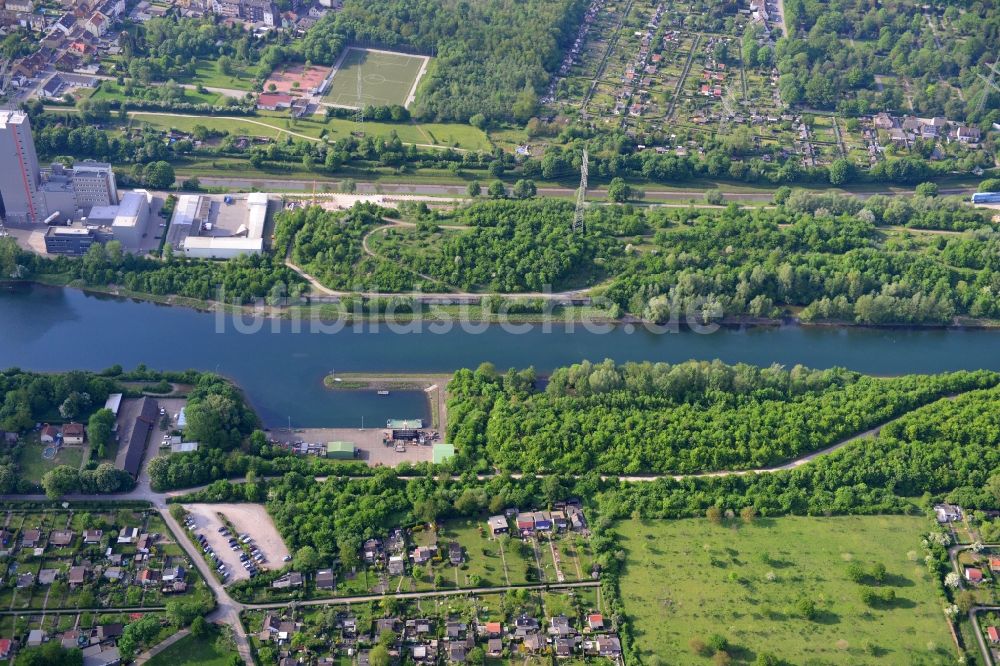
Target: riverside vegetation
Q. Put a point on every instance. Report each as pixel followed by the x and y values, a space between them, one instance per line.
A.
pixel 818 257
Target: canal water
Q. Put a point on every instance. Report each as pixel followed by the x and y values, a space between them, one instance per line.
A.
pixel 282 369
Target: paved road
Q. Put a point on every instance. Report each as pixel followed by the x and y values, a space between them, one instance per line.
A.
pixel 73 611
pixel 974 619
pixel 975 610
pixel 426 595
pixel 160 647
pixel 460 190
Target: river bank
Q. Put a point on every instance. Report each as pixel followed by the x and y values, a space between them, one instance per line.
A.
pixel 436 311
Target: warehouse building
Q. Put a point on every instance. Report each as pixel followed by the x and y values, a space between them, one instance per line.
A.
pixel 207 227
pixel 341 450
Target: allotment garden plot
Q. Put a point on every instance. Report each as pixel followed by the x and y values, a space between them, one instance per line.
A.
pixel 386 78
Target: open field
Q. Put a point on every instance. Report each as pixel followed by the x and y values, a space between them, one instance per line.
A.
pixel 192 651
pixel 466 137
pixel 689 579
pixel 33 466
pixel 386 78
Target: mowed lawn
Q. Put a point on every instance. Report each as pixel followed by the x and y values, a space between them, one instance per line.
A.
pixel 274 126
pixel 688 579
pixel 385 78
pixel 191 651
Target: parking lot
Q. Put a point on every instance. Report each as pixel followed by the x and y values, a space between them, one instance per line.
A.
pixel 250 520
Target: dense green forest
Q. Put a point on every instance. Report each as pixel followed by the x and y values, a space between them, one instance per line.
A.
pixel 169 48
pixel 692 417
pixel 510 247
pixel 328 245
pixel 491 58
pixel 947 449
pixel 837 48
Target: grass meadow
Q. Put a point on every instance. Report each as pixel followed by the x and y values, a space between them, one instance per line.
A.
pixel 686 580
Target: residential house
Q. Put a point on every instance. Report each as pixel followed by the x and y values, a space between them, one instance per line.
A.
pixel 145 543
pixel 101 655
pixel 608 646
pixel 457 653
pixel 292 579
pixel 173 573
pixel 454 629
pixel 97 25
pixel 397 565
pixel 372 550
pixel 493 629
pixel 525 522
pixel 109 632
pixel 270 627
pixel 498 525
pixel 176 587
pixel 883 121
pixel 595 621
pixel 967 134
pixel 560 626
pixel 565 646
pixel 61 538
pixel 128 534
pixel 534 642
pixel 52 88
pixel 148 577
pixel 386 625
pixel 73 433
pixel 324 579
pixel 525 625
pixel 423 554
pixel 30 538
pixel 973 575
pixel 49 434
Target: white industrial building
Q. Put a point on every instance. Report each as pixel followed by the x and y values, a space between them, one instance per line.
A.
pixel 129 224
pixel 198 228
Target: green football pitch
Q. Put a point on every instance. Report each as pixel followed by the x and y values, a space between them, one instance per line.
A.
pixel 386 78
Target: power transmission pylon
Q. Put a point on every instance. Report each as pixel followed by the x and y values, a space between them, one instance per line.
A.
pixel 581 195
pixel 990 84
